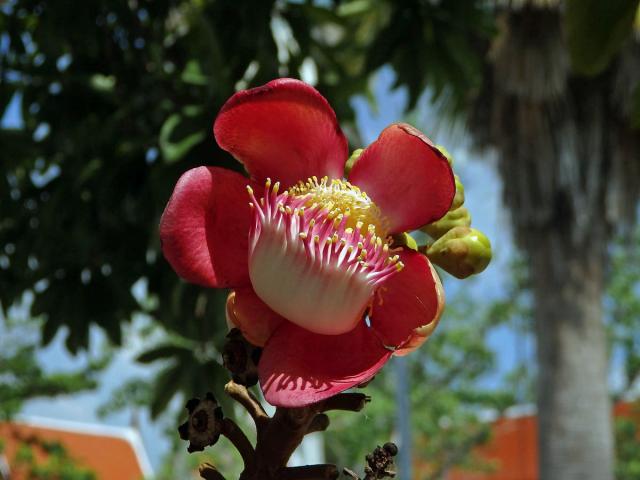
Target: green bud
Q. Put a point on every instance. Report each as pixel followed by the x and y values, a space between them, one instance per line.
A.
pixel 462 252
pixel 352 160
pixel 460 217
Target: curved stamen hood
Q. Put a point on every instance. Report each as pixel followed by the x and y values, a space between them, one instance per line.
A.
pixel 317 252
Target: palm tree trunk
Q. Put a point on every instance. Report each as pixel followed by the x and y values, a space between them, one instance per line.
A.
pixel 575 431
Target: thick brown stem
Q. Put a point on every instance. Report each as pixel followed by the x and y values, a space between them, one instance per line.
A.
pixel 319 423
pixel 280 435
pixel 283 434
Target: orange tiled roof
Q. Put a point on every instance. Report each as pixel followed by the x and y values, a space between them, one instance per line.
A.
pixel 112 453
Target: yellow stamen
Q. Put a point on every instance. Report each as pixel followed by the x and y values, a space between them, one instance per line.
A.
pixel 339 197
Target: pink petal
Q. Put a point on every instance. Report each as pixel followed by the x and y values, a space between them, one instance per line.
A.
pixel 252 316
pixel 205 227
pixel 284 130
pixel 298 367
pixel 406 176
pixel 408 305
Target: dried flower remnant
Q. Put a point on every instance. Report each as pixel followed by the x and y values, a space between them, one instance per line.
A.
pixel 241 358
pixel 379 464
pixel 204 425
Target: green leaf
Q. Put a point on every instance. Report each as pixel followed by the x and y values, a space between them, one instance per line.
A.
pixel 596 30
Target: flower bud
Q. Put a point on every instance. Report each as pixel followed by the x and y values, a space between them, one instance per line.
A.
pixel 460 217
pixel 462 252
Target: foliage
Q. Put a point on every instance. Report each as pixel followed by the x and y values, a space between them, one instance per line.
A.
pixel 86 195
pixel 434 45
pixel 623 302
pixel 22 377
pixel 87 174
pixel 627 431
pixel 596 31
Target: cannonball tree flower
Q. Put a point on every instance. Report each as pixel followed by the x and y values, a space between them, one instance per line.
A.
pixel 317 277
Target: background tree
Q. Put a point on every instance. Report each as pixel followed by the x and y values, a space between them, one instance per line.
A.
pixel 23 378
pixel 568 157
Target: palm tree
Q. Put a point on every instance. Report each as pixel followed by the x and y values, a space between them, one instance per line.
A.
pixel 570 167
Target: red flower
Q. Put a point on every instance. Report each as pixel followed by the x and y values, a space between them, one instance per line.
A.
pixel 316 278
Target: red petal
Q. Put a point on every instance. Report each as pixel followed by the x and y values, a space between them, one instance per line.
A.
pixel 406 176
pixel 284 130
pixel 408 305
pixel 298 367
pixel 252 316
pixel 205 227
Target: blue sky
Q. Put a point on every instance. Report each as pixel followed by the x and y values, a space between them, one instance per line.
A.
pixel 483 192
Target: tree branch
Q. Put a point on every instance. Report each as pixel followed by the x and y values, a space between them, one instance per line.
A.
pixel 319 423
pixel 243 396
pixel 351 402
pixel 239 440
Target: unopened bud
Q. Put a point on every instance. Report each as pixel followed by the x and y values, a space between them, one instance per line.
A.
pixel 460 217
pixel 462 252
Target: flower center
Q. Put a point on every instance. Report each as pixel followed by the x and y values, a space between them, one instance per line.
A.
pixel 314 253
pixel 341 198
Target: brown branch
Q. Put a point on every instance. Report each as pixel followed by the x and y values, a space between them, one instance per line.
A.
pixel 277 436
pixel 310 472
pixel 239 440
pixel 243 396
pixel 351 402
pixel 319 423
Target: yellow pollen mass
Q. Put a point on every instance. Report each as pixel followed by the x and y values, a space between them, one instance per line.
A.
pixel 342 200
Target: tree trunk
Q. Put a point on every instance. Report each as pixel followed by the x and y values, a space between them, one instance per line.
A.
pixel 575 432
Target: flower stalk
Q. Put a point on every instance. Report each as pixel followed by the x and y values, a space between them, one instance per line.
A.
pixel 277 436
